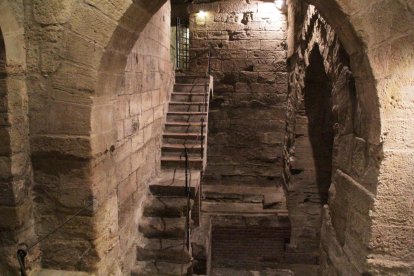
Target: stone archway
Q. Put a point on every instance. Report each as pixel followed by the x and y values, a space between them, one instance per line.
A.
pixel 318 111
pixel 381 68
pixel 78 162
pixel 16 226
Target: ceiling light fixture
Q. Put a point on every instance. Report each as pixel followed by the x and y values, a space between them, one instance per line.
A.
pixel 201 14
pixel 280 4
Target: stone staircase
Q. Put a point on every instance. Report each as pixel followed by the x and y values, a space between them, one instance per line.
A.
pixel 164 248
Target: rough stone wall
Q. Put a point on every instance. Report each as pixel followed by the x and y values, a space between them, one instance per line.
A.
pixel 16 206
pixel 95 107
pixel 355 162
pixel 140 113
pixel 246 119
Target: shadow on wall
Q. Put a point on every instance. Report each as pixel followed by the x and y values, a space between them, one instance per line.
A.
pixel 2 69
pixel 318 110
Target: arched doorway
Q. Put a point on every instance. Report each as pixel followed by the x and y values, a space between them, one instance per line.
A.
pixel 16 223
pixel 318 111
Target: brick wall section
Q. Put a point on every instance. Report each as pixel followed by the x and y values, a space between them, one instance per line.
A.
pixel 345 220
pixel 140 114
pixel 249 67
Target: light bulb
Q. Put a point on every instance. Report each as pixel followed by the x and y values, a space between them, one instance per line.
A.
pixel 279 4
pixel 202 14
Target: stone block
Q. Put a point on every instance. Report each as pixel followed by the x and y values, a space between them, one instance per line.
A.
pixel 52 12
pixel 273 45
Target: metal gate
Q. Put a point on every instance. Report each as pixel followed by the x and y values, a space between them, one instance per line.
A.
pixel 182 44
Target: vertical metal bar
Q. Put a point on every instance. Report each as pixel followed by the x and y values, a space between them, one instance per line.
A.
pixel 209 59
pixel 177 51
pixel 202 137
pixel 187 194
pixel 186 170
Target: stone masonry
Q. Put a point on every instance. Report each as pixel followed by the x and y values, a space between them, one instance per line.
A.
pixel 313 157
pixel 83 90
pixel 248 63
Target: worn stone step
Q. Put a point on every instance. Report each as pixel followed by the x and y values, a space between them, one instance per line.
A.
pixel 239 272
pixel 54 272
pixel 232 197
pixel 188 106
pixel 180 148
pixel 165 228
pixel 180 116
pixel 184 126
pixel 171 182
pixel 178 162
pixel 189 135
pixel 188 97
pixel 270 197
pixel 224 271
pixel 237 208
pixel 163 250
pixel 166 206
pixel 193 87
pixel 153 268
pixel 189 79
pixel 180 154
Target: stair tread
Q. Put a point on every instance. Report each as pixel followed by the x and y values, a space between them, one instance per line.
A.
pixel 184 123
pixel 164 250
pixel 171 182
pixel 181 134
pixel 166 206
pixel 192 84
pixel 151 268
pixel 180 146
pixel 188 103
pixel 177 158
pixel 162 228
pixel 189 93
pixel 237 207
pixel 187 113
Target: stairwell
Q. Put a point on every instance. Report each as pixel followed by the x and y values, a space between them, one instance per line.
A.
pixel 166 223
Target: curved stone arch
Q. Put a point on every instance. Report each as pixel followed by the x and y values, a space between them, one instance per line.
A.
pixel 112 65
pixel 380 56
pixel 360 65
pixel 318 37
pixel 15 169
pixel 99 35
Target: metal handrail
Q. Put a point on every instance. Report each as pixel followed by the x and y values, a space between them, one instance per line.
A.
pixel 210 46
